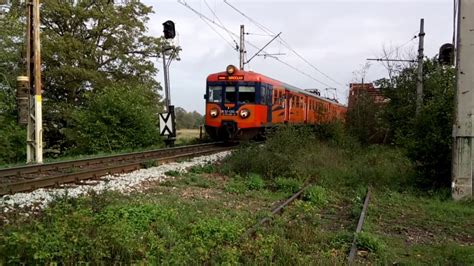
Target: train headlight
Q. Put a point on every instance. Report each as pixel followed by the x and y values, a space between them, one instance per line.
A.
pixel 230 70
pixel 244 113
pixel 214 112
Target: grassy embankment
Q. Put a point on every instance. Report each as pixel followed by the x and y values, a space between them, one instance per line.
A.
pixel 201 216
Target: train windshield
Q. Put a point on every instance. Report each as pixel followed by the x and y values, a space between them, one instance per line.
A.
pixel 247 94
pixel 215 94
pixel 230 94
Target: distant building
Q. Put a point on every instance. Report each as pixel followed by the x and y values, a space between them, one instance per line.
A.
pixel 358 89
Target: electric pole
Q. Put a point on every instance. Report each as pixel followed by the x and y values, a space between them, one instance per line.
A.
pixel 34 138
pixel 419 81
pixel 242 48
pixel 463 131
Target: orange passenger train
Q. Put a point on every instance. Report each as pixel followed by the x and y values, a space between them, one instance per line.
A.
pixel 243 104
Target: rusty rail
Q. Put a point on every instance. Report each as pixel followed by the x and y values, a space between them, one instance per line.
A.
pixel 363 213
pixel 276 210
pixel 91 168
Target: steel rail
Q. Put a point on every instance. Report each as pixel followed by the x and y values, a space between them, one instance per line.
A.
pixel 360 223
pixel 121 167
pixel 276 210
pixel 56 166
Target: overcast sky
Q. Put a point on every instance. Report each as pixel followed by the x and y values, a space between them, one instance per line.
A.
pixel 334 36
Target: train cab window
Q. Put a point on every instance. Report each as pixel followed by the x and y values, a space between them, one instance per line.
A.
pixel 230 94
pixel 215 94
pixel 263 95
pixel 247 94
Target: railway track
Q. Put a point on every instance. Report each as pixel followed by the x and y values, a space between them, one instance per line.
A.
pixel 30 177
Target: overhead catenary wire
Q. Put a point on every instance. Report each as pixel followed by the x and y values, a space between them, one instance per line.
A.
pixel 282 41
pixel 218 33
pixel 203 17
pixel 208 20
pixel 222 24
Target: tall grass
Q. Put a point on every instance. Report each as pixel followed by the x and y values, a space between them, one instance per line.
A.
pixel 325 154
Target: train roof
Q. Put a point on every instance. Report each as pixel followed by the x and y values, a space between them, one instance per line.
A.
pixel 257 77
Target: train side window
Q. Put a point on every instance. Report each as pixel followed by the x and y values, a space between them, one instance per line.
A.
pixel 230 94
pixel 215 94
pixel 247 94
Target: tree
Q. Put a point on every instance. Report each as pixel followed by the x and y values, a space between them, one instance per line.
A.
pixel 427 136
pixel 115 118
pixel 87 47
pixel 363 120
pixel 187 120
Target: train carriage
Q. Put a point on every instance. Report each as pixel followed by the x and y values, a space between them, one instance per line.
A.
pixel 242 104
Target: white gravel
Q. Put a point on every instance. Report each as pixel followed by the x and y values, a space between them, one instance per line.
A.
pixel 125 183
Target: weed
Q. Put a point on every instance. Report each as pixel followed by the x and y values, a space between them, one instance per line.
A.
pixel 236 186
pixel 173 173
pixel 254 182
pixel 200 169
pixel 198 181
pixel 149 164
pixel 371 243
pixel 316 195
pixel 289 185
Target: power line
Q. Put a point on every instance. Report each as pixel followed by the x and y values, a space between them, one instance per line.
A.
pixel 208 20
pixel 222 24
pixel 298 70
pixel 282 41
pixel 203 17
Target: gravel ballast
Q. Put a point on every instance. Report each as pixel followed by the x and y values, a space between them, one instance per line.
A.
pixel 124 183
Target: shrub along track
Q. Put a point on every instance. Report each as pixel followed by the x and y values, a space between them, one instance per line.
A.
pixel 30 177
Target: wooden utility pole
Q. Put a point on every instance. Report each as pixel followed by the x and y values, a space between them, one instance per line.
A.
pixel 35 122
pixel 463 131
pixel 419 80
pixel 242 48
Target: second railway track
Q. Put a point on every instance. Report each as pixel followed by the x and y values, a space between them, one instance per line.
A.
pixel 30 177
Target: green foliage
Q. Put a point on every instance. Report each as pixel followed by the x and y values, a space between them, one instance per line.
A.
pixel 426 136
pixel 87 47
pixel 273 159
pixel 292 155
pixel 187 120
pixel 12 141
pixel 198 180
pixel 364 120
pixel 107 228
pixel 371 243
pixel 317 195
pixel 172 173
pixel 236 185
pixel 206 168
pixel 255 182
pixel 289 185
pixel 113 119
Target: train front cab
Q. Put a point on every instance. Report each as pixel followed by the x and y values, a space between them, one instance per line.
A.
pixel 236 107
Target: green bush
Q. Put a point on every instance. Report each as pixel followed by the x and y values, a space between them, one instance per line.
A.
pixel 255 182
pixel 236 186
pixel 115 118
pixel 206 168
pixel 12 141
pixel 371 243
pixel 426 137
pixel 316 195
pixel 289 185
pixel 276 157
